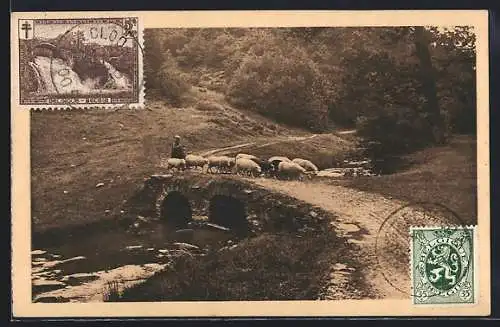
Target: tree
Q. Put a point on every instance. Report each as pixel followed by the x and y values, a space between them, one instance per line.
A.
pixel 428 81
pixel 279 79
pixel 454 58
pixel 172 81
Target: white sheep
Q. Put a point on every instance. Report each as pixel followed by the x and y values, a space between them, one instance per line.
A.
pixel 213 162
pixel 247 166
pixel 274 162
pixel 178 164
pixel 246 156
pixel 195 161
pixel 220 163
pixel 306 164
pixel 290 169
pixel 279 158
pixel 227 163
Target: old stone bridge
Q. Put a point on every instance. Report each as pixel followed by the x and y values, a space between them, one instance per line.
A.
pixel 225 200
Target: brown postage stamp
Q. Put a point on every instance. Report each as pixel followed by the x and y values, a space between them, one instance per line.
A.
pixel 284 163
pixel 80 62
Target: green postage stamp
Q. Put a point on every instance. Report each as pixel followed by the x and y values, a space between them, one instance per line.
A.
pixel 442 265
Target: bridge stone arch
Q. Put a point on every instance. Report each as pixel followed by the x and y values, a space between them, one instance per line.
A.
pixel 161 198
pixel 175 210
pixel 228 211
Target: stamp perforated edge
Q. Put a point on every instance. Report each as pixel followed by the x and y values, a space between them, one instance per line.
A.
pixel 117 106
pixel 475 275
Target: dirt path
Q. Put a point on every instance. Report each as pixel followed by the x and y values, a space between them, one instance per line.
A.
pixel 360 215
pixel 353 208
pixel 357 211
pixel 222 151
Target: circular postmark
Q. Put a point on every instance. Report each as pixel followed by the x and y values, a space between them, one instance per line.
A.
pixel 422 251
pixel 96 62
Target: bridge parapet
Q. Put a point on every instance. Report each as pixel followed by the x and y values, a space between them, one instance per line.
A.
pixel 230 196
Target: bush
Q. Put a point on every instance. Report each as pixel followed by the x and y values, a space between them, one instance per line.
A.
pixel 172 81
pixel 258 129
pixel 284 84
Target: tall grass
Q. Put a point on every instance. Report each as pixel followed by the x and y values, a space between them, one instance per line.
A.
pixel 111 292
pixel 267 267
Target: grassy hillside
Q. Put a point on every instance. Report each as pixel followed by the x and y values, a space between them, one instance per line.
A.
pixel 74 150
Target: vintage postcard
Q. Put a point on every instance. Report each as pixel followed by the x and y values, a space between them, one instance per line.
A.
pixel 258 163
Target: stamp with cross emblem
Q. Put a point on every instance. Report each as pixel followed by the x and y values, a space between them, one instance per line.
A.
pixel 86 62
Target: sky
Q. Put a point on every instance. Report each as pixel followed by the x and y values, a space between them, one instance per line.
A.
pixel 110 32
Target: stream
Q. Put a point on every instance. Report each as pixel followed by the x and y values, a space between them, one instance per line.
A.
pixel 81 271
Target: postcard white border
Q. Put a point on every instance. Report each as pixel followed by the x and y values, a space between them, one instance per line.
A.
pixel 20 127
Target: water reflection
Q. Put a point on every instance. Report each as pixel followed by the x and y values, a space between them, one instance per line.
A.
pixel 80 271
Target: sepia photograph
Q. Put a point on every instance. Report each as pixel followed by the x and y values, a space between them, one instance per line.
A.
pixel 287 163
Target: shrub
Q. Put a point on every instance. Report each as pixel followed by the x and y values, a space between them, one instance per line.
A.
pixel 258 128
pixel 222 121
pixel 282 83
pixel 272 127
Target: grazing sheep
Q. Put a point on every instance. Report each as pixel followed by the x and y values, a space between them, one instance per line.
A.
pixel 306 164
pixel 279 158
pixel 178 164
pixel 193 161
pixel 214 162
pixel 267 168
pixel 220 163
pixel 275 161
pixel 274 166
pixel 255 159
pixel 290 170
pixel 247 167
pixel 229 164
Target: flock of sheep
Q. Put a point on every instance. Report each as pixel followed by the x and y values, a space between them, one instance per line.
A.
pixel 248 165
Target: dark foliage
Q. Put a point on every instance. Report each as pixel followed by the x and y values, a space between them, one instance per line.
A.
pixel 316 77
